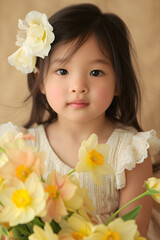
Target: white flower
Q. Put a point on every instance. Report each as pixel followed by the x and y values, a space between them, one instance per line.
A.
pixel 22 62
pixel 37 34
pixel 34 38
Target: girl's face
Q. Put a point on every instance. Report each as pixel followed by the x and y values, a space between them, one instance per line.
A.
pixel 82 88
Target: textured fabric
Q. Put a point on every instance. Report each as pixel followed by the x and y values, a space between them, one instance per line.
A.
pixel 128 148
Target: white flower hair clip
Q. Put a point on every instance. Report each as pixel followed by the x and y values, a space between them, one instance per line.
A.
pixel 34 38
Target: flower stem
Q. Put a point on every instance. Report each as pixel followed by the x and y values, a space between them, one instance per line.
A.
pixel 2 150
pixel 120 209
pixel 71 171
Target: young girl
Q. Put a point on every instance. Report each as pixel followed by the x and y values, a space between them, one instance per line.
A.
pixel 87 85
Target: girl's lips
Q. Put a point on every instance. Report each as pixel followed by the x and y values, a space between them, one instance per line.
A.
pixel 78 104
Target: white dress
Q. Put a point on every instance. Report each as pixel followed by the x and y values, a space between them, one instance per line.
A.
pixel 128 148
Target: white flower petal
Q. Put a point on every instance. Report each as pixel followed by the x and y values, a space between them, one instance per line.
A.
pixel 34 38
pixel 22 62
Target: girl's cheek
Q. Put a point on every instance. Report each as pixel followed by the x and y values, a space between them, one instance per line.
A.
pixel 56 93
pixel 101 94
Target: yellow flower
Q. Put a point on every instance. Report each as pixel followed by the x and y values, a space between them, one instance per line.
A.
pixel 40 234
pixel 93 158
pixel 117 230
pixel 75 228
pixel 80 202
pixel 19 160
pixel 23 201
pixel 138 237
pixel 154 183
pixel 60 189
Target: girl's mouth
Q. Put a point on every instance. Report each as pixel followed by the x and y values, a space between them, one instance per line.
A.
pixel 78 104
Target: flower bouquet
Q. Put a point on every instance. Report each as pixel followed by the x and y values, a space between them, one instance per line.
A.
pixel 57 208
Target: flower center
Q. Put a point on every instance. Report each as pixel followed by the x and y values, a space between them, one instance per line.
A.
pixel 37 33
pixel 111 235
pixel 21 198
pixel 53 191
pixel 22 172
pixel 95 157
pixel 78 235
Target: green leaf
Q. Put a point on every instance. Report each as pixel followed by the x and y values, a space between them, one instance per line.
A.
pixel 132 214
pixel 22 228
pixel 30 227
pixel 38 221
pixel 21 238
pixel 3 231
pixel 16 232
pixel 55 226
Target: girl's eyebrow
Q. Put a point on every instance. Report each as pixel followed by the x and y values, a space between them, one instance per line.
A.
pixel 102 61
pixel 62 60
pixel 58 60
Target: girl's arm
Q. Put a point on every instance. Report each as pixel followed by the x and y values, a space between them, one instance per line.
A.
pixel 134 186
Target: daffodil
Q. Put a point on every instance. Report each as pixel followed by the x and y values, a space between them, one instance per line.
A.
pixel 9 139
pixel 60 189
pixel 154 184
pixel 21 160
pixel 76 227
pixel 23 201
pixel 93 158
pixel 80 202
pixel 117 230
pixel 43 234
pixel 138 237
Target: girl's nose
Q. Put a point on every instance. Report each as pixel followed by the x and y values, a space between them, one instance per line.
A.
pixel 79 90
pixel 79 86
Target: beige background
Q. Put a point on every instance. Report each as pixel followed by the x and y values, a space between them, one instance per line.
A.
pixel 143 20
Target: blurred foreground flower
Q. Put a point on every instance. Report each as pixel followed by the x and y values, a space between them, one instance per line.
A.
pixel 117 229
pixel 60 189
pixel 43 234
pixel 76 227
pixel 23 201
pixel 154 184
pixel 20 159
pixel 58 208
pixel 93 158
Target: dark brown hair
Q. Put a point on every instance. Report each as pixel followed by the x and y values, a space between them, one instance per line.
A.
pixel 77 23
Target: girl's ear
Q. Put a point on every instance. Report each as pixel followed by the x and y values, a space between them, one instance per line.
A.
pixel 41 86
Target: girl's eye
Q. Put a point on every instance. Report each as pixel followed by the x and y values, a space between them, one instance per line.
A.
pixel 62 71
pixel 96 73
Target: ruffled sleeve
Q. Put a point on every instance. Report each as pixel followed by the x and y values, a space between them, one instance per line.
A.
pixel 134 151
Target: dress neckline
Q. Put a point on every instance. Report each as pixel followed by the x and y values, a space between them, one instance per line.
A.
pixel 58 160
